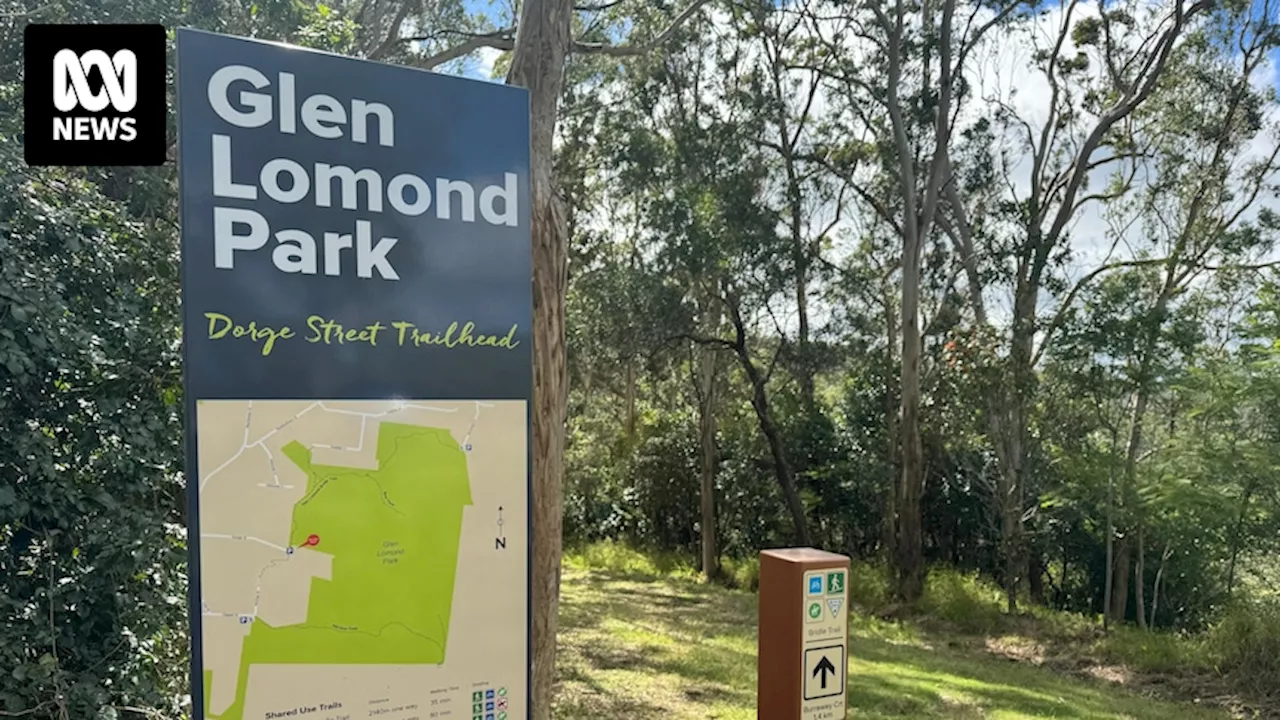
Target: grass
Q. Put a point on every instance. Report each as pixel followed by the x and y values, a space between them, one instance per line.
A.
pixel 641 639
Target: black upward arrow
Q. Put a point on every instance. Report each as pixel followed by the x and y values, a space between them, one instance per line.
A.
pixel 825 668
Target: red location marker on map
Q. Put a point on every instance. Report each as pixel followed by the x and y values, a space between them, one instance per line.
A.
pixel 311 540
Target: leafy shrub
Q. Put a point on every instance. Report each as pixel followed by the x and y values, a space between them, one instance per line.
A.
pixel 621 559
pixel 1246 643
pixel 1164 652
pixel 741 574
pixel 964 600
pixel 868 585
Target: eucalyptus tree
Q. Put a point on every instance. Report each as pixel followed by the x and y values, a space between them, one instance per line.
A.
pixel 1203 153
pixel 899 72
pixel 785 85
pixel 684 145
pixel 1098 69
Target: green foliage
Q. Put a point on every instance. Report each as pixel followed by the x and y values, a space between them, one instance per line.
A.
pixel 1246 645
pixel 964 600
pixel 624 561
pixel 92 561
pixel 1157 652
pixel 741 574
pixel 868 586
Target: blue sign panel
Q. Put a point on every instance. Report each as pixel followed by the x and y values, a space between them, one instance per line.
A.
pixel 357 313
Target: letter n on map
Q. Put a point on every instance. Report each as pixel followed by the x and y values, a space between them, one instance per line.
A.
pixel 357 417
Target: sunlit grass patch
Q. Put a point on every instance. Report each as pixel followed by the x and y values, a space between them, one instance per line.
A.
pixel 640 646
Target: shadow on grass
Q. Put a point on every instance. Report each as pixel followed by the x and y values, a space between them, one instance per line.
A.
pixel 632 646
pixel 893 680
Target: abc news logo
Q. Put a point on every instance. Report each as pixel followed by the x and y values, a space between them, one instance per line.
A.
pixel 71 90
pixel 95 95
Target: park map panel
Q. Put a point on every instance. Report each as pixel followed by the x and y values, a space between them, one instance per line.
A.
pixel 336 538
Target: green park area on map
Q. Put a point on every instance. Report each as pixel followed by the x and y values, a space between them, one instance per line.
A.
pixel 394 535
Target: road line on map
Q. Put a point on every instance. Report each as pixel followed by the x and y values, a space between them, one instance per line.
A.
pixel 250 538
pixel 471 429
pixel 246 444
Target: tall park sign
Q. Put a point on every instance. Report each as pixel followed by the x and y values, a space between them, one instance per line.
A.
pixel 357 308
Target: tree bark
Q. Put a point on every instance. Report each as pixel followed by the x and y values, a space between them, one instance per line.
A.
pixel 1035 574
pixel 1011 445
pixel 919 210
pixel 542 44
pixel 1060 596
pixel 1155 588
pixel 889 526
pixel 1140 579
pixel 910 560
pixel 707 443
pixel 1120 589
pixel 1109 581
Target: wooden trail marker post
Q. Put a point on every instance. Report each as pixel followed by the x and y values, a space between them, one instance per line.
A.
pixel 803 658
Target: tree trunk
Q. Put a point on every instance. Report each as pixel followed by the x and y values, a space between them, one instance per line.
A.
pixel 1140 579
pixel 805 370
pixel 919 210
pixel 1061 594
pixel 781 466
pixel 1111 542
pixel 707 444
pixel 1155 588
pixel 541 46
pixel 1120 589
pixel 1035 574
pixel 764 414
pixel 889 526
pixel 1237 538
pixel 1011 448
pixel 1011 536
pixel 910 557
pixel 786 138
pixel 630 395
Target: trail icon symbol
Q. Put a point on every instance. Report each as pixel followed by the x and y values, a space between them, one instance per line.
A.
pixel 835 583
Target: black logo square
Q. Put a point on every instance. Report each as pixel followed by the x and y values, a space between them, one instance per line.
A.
pixel 95 95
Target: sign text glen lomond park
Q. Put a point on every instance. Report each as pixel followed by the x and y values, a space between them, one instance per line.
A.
pixel 357 309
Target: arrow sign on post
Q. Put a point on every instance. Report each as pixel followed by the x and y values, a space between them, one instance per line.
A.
pixel 824 668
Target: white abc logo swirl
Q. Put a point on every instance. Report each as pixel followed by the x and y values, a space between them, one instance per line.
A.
pixel 119 80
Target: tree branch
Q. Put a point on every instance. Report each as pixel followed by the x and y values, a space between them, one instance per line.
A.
pixel 392 41
pixel 505 40
pixel 1069 300
pixel 704 340
pixel 28 15
pixel 631 50
pixel 499 40
pixel 599 7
